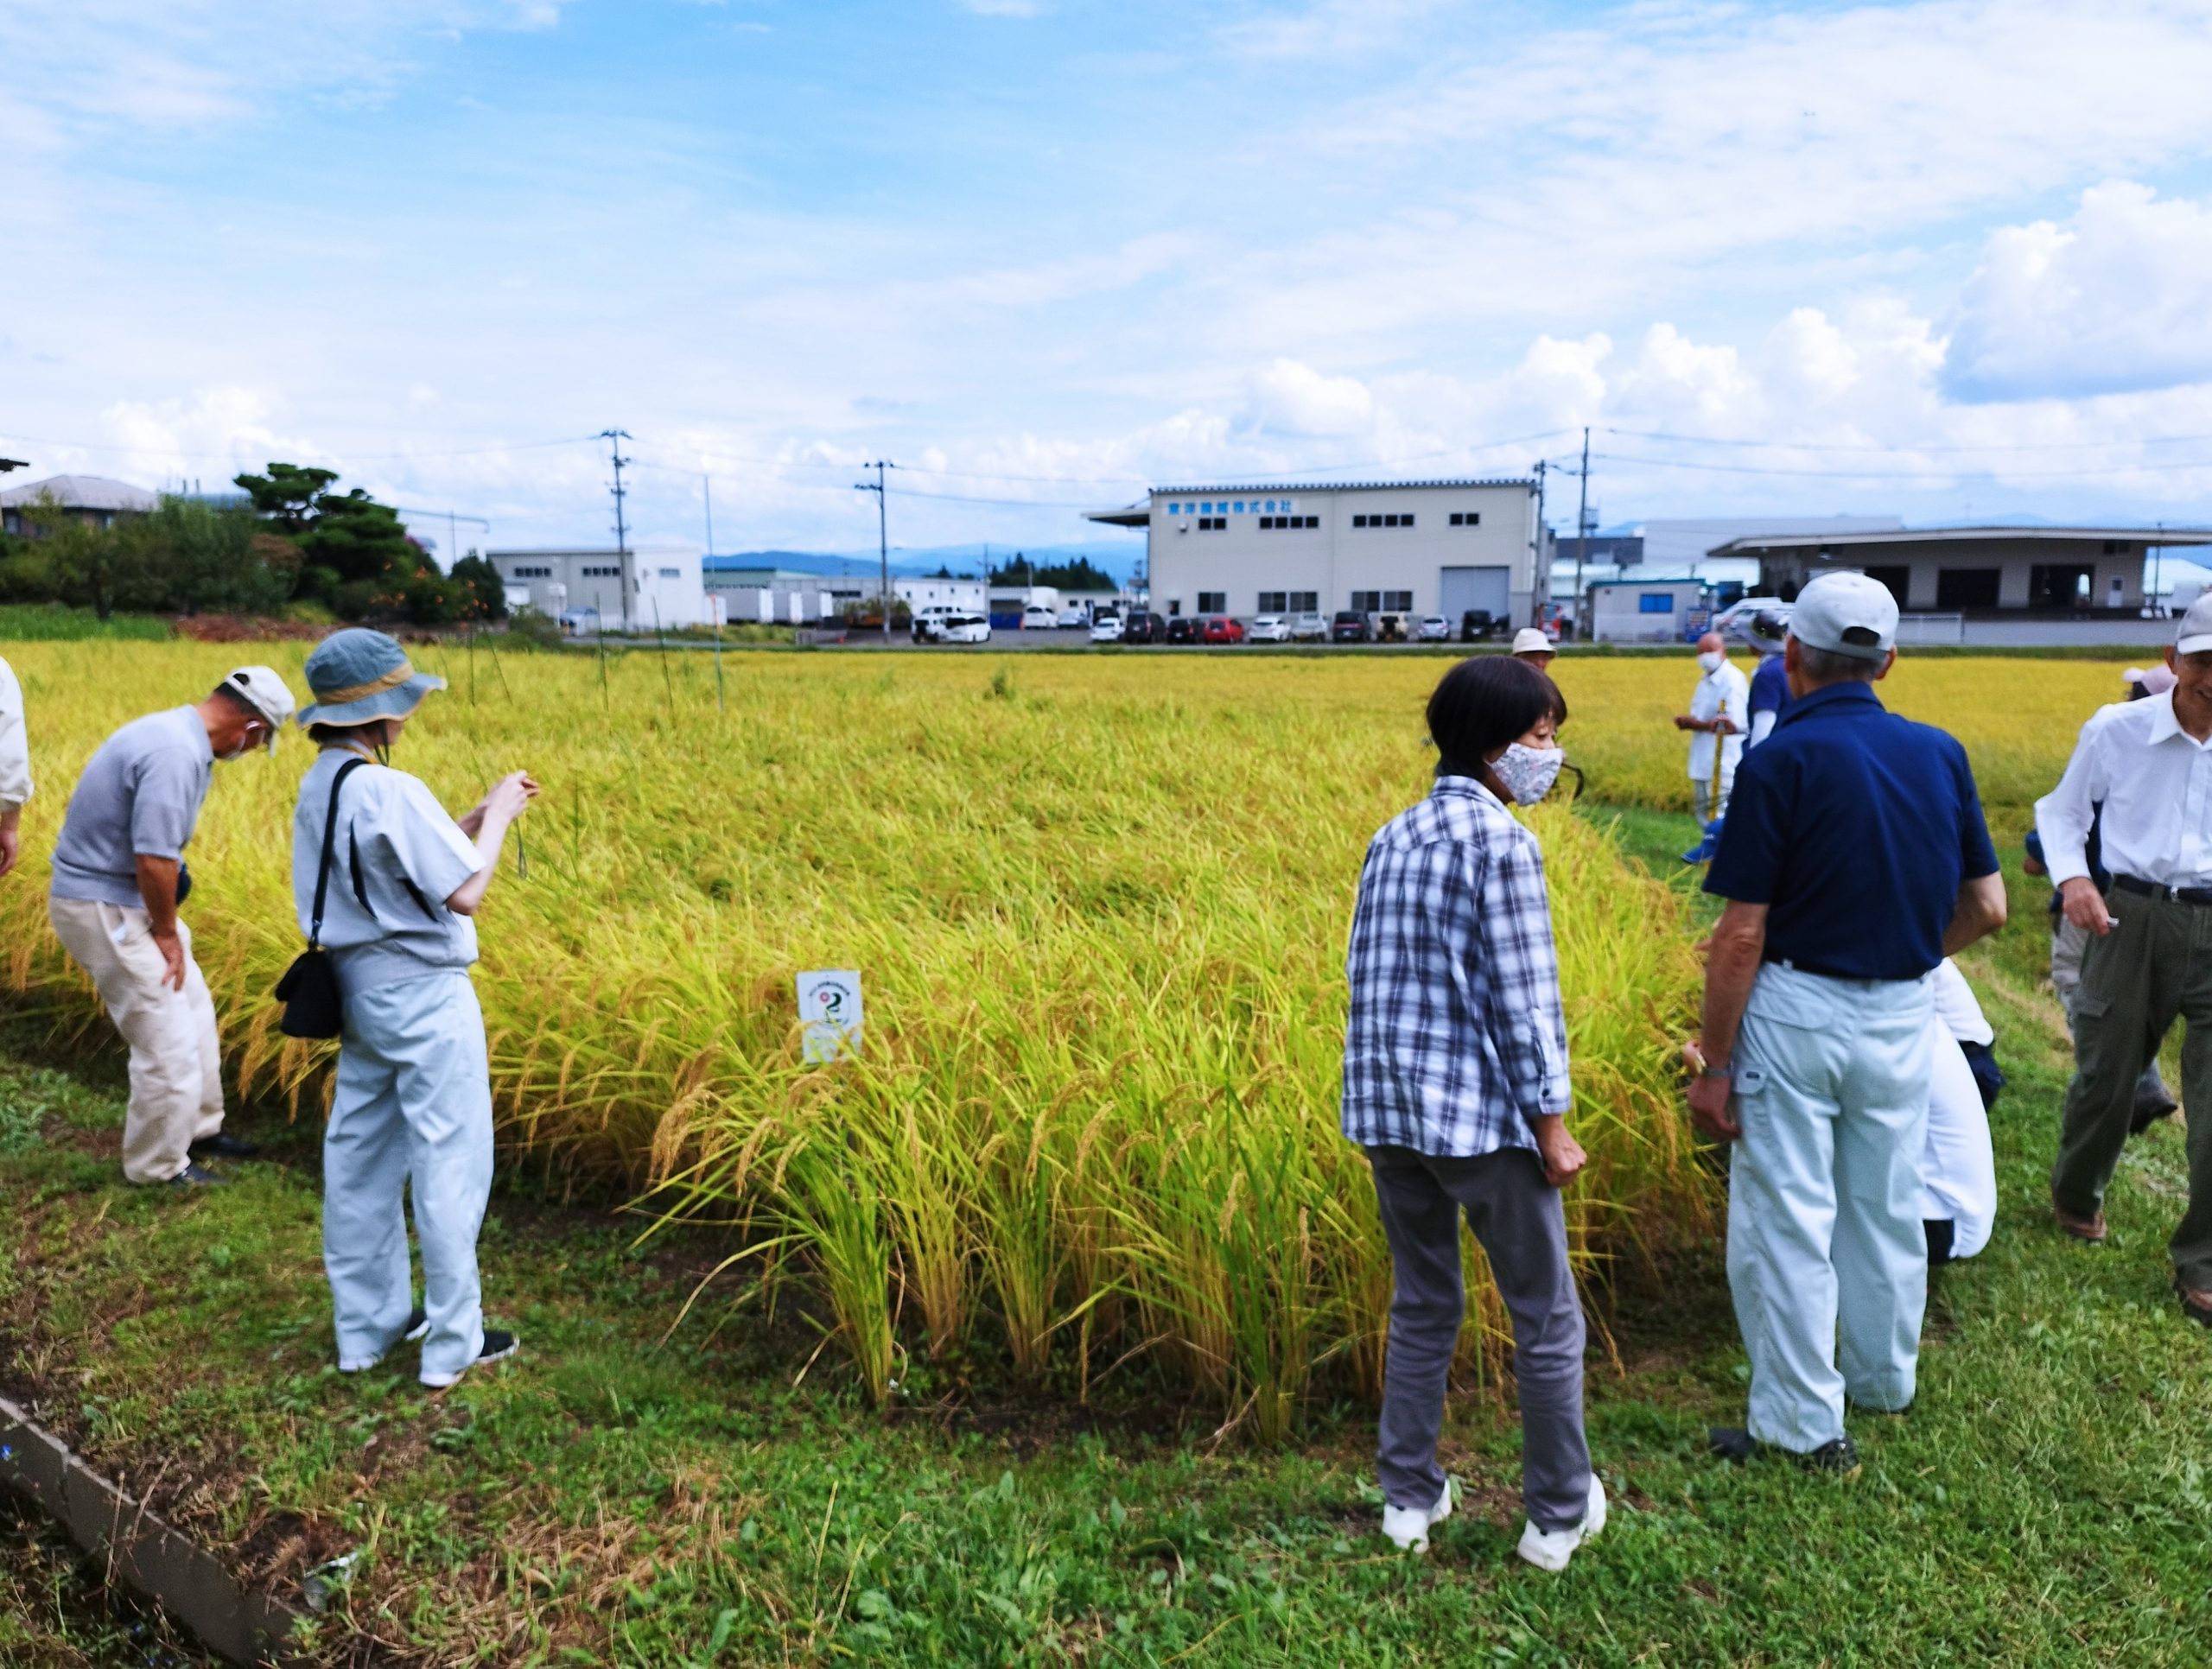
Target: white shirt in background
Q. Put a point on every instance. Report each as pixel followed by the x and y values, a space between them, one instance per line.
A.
pixel 2154 781
pixel 14 744
pixel 1958 1167
pixel 1726 690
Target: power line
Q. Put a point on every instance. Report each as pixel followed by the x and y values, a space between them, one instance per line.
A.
pixel 356 457
pixel 1989 472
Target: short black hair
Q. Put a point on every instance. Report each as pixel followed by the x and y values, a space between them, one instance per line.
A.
pixel 1481 704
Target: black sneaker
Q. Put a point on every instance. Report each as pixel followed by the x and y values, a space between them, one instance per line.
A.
pixel 223 1146
pixel 1837 1459
pixel 192 1176
pixel 2149 1110
pixel 1732 1443
pixel 498 1346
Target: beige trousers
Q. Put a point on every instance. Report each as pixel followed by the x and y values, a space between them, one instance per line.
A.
pixel 176 1077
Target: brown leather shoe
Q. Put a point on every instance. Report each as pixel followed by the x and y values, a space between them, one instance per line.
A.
pixel 2090 1228
pixel 2196 1303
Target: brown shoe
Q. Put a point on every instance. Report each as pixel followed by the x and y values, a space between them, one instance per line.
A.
pixel 2196 1303
pixel 2090 1228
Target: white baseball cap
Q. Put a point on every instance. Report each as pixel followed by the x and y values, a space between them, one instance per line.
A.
pixel 260 689
pixel 1850 614
pixel 2196 632
pixel 1531 640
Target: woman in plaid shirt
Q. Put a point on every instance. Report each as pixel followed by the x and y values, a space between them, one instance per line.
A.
pixel 1455 1084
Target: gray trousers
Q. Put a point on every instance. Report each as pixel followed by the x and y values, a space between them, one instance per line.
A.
pixel 2068 941
pixel 2154 966
pixel 1516 1216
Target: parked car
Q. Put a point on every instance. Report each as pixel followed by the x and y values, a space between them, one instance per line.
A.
pixel 1350 627
pixel 1182 628
pixel 1073 616
pixel 1037 617
pixel 1388 628
pixel 928 621
pixel 964 629
pixel 1477 624
pixel 1144 629
pixel 1434 629
pixel 1106 627
pixel 1270 629
pixel 1309 627
pixel 1220 629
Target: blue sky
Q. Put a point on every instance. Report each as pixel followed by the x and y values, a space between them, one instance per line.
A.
pixel 1948 258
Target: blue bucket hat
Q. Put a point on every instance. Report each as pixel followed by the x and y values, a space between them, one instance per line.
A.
pixel 357 676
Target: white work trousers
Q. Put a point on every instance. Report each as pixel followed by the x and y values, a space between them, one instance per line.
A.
pixel 1824 1198
pixel 412 1111
pixel 176 1055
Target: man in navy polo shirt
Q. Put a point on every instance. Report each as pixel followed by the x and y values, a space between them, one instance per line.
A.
pixel 1854 858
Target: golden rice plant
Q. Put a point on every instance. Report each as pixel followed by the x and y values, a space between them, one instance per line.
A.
pixel 1100 912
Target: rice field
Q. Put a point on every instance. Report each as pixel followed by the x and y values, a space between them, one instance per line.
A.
pixel 1099 907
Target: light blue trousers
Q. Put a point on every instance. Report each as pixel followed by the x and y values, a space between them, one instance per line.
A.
pixel 412 1111
pixel 1828 1261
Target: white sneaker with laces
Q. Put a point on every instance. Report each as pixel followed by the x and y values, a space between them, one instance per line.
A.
pixel 1549 1550
pixel 1408 1526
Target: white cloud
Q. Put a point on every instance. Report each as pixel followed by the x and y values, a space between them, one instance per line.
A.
pixel 1288 398
pixel 1325 29
pixel 2118 297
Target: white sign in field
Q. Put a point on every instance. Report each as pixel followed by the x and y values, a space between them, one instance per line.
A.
pixel 830 1010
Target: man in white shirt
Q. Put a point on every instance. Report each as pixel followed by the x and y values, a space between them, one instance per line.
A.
pixel 15 767
pixel 2149 958
pixel 1719 714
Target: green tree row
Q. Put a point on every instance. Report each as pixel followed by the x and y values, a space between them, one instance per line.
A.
pixel 294 540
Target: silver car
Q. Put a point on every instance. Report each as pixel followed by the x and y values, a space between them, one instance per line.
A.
pixel 1309 627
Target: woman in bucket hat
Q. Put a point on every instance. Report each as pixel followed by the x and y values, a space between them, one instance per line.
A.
pixel 412 1109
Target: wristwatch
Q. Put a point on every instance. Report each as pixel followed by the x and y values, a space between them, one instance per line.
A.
pixel 1718 1072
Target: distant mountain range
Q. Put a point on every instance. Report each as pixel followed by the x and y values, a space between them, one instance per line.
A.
pixel 1118 557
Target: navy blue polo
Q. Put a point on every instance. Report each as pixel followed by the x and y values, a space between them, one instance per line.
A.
pixel 1855 827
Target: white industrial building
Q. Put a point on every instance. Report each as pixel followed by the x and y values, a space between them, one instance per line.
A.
pixel 634 590
pixel 1399 547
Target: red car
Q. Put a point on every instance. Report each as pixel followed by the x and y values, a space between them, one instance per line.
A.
pixel 1221 629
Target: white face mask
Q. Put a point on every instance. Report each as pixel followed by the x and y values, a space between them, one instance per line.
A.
pixel 1527 773
pixel 1710 660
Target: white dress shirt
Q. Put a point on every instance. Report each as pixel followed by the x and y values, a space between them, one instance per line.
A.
pixel 2154 781
pixel 1726 691
pixel 14 746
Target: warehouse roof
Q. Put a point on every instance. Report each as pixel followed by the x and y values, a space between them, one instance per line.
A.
pixel 83 492
pixel 1839 541
pixel 1139 514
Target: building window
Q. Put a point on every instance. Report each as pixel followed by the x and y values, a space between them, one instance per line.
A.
pixel 672 574
pixel 1359 521
pixel 1275 602
pixel 1213 602
pixel 592 573
pixel 1213 524
pixel 1397 602
pixel 1367 602
pixel 1383 521
pixel 1466 518
pixel 1305 602
pixel 525 573
pixel 1655 602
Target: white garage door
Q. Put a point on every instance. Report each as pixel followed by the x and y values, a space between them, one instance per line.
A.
pixel 1463 588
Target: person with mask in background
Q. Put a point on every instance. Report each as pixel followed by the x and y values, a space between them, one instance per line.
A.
pixel 2153 1100
pixel 1455 1087
pixel 1719 714
pixel 15 768
pixel 1767 631
pixel 118 878
pixel 411 1116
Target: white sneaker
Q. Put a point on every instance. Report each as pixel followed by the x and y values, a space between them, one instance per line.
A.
pixel 1408 1526
pixel 1549 1550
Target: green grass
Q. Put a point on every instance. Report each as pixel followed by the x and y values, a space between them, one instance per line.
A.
pixel 610 1498
pixel 53 623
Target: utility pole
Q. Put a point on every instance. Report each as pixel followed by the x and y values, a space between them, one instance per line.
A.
pixel 614 437
pixel 707 484
pixel 1581 531
pixel 1540 571
pixel 882 538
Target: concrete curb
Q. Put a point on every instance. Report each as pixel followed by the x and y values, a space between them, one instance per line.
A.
pixel 244 1625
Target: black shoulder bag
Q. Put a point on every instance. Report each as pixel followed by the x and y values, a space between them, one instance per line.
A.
pixel 309 987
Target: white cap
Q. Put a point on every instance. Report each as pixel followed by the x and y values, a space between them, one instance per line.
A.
pixel 1531 640
pixel 260 689
pixel 1848 614
pixel 2195 632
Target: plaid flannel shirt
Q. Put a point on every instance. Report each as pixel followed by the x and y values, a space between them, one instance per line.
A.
pixel 1457 1037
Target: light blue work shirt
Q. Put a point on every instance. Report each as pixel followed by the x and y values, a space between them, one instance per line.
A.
pixel 395 859
pixel 140 794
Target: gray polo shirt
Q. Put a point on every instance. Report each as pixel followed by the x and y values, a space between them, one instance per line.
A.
pixel 141 793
